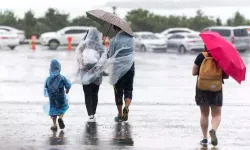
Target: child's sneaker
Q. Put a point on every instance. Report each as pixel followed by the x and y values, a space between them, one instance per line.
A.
pixel 91 118
pixel 61 123
pixel 204 142
pixel 118 119
pixel 214 139
pixel 125 113
pixel 53 128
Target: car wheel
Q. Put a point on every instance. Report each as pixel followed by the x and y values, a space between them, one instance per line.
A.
pixel 143 48
pixel 182 49
pixel 53 44
pixel 12 47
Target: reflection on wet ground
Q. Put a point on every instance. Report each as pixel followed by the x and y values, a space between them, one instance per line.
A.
pixel 91 134
pixel 57 139
pixel 163 114
pixel 122 135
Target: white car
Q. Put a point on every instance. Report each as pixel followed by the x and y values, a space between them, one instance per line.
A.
pixel 8 39
pixel 60 38
pixel 184 42
pixel 170 31
pixel 147 41
pixel 20 33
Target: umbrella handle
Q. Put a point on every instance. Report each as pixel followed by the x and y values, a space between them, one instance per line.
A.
pixel 106 34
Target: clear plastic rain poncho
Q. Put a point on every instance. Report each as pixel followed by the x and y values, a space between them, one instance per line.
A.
pixel 91 59
pixel 121 54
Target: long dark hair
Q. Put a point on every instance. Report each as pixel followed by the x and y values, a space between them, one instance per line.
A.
pixel 205 49
pixel 116 28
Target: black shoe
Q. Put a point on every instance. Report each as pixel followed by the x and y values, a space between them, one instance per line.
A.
pixel 214 139
pixel 125 113
pixel 61 123
pixel 204 142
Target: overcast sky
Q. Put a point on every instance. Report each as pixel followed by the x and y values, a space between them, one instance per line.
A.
pixel 79 7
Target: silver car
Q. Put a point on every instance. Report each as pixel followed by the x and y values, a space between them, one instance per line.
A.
pixel 147 41
pixel 184 42
pixel 238 36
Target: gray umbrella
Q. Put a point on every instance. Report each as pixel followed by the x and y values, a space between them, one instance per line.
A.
pixel 107 18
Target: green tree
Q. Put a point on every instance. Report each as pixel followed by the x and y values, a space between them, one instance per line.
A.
pixel 28 23
pixel 8 18
pixel 200 21
pixel 140 20
pixel 55 20
pixel 83 21
pixel 218 22
pixel 238 19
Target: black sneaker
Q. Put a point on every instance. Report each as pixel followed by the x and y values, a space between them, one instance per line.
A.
pixel 214 139
pixel 61 123
pixel 204 142
pixel 125 113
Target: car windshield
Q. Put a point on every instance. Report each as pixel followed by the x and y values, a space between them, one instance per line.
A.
pixel 222 32
pixel 149 36
pixel 193 36
pixel 240 32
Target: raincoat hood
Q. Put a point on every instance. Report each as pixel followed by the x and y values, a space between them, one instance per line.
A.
pixel 93 35
pixel 55 77
pixel 55 68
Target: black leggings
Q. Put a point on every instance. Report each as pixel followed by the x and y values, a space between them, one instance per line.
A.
pixel 124 86
pixel 91 97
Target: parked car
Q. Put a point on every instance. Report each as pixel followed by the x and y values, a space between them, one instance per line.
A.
pixel 20 33
pixel 184 42
pixel 245 27
pixel 8 39
pixel 60 38
pixel 170 31
pixel 147 41
pixel 238 36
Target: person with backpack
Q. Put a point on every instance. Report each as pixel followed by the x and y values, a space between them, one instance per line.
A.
pixel 208 93
pixel 91 59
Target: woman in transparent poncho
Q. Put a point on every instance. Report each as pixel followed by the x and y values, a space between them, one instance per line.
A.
pixel 122 70
pixel 91 59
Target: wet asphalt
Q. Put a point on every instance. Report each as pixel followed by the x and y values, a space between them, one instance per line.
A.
pixel 163 114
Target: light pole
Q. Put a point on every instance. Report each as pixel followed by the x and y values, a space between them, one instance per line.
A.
pixel 114 9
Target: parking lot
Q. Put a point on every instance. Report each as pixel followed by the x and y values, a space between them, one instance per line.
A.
pixel 163 112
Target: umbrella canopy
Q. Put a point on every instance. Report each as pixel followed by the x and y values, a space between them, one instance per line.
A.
pixel 107 18
pixel 225 54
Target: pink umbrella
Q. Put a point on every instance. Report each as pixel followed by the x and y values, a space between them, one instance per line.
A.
pixel 225 54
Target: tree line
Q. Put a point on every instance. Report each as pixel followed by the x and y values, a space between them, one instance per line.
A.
pixel 139 19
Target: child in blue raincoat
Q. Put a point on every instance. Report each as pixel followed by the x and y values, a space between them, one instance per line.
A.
pixel 54 88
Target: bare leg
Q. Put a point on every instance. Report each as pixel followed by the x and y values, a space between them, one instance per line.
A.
pixel 127 102
pixel 54 127
pixel 119 108
pixel 216 116
pixel 61 116
pixel 54 120
pixel 204 120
